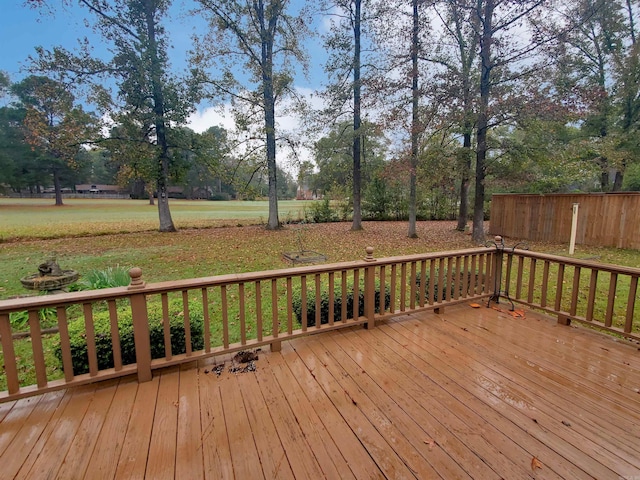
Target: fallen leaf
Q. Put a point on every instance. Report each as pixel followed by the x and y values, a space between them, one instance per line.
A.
pixel 565 423
pixel 474 305
pixel 535 463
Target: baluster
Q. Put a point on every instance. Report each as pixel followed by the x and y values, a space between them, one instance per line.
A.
pixel 91 338
pixel 187 323
pixel 225 315
pixel 115 334
pixel 258 310
pixel 206 319
pixel 166 326
pixel 243 329
pixel 332 298
pixel 8 352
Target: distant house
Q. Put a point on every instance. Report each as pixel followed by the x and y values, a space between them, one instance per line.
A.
pixel 98 189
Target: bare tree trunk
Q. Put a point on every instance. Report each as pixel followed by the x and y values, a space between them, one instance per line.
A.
pixel 465 183
pixel 267 33
pixel 164 214
pixel 617 182
pixel 357 122
pixel 415 96
pixel 467 51
pixel 478 235
pixel 57 187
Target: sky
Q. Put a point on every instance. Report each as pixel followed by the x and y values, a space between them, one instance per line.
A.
pixel 22 29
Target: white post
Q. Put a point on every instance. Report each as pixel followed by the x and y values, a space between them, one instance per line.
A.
pixel 574 229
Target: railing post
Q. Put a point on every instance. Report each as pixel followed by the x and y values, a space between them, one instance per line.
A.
pixel 140 325
pixel 370 289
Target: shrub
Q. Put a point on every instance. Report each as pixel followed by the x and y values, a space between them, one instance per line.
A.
pixel 321 212
pixel 337 303
pixel 104 347
pixel 449 292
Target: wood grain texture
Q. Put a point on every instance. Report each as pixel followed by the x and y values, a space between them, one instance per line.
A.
pixel 467 394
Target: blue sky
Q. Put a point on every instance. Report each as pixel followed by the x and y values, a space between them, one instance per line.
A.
pixel 23 28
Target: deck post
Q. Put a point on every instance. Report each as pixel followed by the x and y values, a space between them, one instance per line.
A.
pixel 370 289
pixel 140 325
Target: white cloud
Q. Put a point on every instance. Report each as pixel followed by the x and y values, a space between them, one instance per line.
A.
pixel 287 125
pixel 201 120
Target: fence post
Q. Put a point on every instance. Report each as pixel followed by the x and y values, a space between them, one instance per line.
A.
pixel 370 289
pixel 140 325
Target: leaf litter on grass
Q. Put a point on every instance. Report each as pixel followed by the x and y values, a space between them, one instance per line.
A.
pixel 192 253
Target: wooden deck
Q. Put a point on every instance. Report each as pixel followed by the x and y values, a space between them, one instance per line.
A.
pixel 470 393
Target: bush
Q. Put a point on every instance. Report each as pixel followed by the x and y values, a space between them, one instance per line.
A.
pixel 337 303
pixel 104 347
pixel 321 212
pixel 219 197
pixel 449 292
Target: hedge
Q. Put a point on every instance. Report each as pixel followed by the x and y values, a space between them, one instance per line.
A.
pixel 337 303
pixel 104 348
pixel 450 292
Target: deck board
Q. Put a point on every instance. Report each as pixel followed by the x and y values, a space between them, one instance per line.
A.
pixel 467 394
pixel 162 450
pixel 517 434
pixel 49 460
pixel 135 450
pixel 605 424
pixel 81 449
pixel 189 462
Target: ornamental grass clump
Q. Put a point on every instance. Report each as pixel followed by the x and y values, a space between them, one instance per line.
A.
pixel 107 278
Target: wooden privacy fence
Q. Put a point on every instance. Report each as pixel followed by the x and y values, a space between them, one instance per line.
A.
pixel 604 219
pixel 201 317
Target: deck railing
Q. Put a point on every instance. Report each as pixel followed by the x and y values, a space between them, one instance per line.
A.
pixel 601 295
pixel 185 320
pixel 103 334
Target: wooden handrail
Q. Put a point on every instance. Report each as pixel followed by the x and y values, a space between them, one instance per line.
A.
pixel 228 313
pixel 570 289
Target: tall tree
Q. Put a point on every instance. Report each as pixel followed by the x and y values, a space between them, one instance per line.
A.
pixel 592 40
pixel 266 39
pixel 54 124
pixel 504 53
pixel 415 117
pixel 401 31
pixel 150 100
pixel 457 78
pixel 345 45
pixel 333 157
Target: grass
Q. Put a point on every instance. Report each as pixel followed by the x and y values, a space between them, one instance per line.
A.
pixel 98 235
pixel 40 219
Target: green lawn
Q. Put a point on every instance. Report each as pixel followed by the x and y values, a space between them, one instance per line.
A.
pixel 93 234
pixel 39 218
